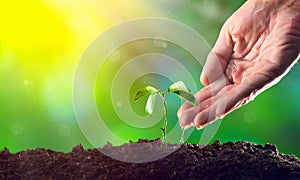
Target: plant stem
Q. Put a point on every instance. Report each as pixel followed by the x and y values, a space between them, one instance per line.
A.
pixel 165 122
pixel 164 129
pixel 182 136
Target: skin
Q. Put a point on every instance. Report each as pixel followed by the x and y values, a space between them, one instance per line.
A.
pixel 256 47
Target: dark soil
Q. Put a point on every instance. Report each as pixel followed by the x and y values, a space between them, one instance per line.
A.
pixel 240 160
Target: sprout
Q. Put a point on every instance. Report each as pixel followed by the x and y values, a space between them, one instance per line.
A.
pixel 177 88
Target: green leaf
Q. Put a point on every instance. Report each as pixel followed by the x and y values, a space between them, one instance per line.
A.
pixel 144 92
pixel 178 86
pixel 182 91
pixel 186 95
pixel 150 103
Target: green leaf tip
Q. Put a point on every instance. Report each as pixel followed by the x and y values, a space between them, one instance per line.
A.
pixel 151 89
pixel 186 96
pixel 178 86
pixel 180 89
pixel 144 92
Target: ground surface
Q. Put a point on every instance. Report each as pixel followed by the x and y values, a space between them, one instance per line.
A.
pixel 241 160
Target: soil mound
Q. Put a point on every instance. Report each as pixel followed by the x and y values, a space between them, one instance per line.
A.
pixel 232 160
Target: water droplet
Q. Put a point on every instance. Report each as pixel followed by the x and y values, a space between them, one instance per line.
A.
pixel 26 82
pixel 119 104
pixel 16 129
pixel 182 136
pixel 28 86
pixel 160 42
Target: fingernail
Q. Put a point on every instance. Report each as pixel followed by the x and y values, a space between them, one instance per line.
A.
pixel 199 127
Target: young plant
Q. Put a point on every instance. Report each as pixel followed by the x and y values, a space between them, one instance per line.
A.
pixel 177 88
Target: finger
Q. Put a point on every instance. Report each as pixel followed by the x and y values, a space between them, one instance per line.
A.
pixel 218 58
pixel 186 119
pixel 231 98
pixel 200 96
pixel 243 93
pixel 187 113
pixel 209 114
pixel 212 89
pixel 184 107
pixel 202 118
pixel 204 94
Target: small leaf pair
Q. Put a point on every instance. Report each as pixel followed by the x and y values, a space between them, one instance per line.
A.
pixel 177 88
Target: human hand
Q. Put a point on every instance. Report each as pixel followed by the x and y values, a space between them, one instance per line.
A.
pixel 256 47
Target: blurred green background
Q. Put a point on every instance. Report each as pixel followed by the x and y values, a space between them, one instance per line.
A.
pixel 41 42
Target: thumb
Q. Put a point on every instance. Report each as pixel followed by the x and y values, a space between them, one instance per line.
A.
pixel 218 58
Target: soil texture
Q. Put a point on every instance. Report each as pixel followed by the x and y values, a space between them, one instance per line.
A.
pixel 232 160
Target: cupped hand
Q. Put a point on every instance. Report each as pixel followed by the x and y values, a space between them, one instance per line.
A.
pixel 256 47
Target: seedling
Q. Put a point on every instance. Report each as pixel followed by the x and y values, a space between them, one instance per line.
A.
pixel 177 88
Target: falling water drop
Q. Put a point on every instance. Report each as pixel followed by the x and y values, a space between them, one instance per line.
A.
pixel 181 141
